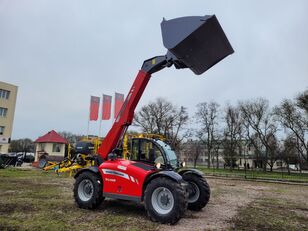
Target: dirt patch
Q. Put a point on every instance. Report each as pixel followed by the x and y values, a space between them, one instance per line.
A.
pixel 256 187
pixel 301 212
pixel 10 208
pixel 227 197
pixel 270 214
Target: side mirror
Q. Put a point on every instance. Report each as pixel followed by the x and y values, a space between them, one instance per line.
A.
pixel 112 156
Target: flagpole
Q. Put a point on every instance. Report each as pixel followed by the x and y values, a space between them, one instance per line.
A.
pixel 114 107
pixel 89 120
pixel 114 102
pixel 100 118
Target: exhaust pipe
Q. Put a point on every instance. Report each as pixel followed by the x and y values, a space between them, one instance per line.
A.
pixel 195 42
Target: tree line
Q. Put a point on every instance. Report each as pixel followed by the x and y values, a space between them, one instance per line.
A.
pixel 274 133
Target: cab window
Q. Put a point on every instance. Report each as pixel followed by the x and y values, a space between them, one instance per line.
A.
pixel 146 150
pixel 134 149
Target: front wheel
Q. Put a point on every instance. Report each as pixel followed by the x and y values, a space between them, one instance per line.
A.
pixel 88 190
pixel 165 200
pixel 199 191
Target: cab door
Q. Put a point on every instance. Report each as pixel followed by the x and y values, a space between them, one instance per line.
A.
pixel 147 151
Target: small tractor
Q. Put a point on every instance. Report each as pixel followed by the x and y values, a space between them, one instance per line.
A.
pixel 153 175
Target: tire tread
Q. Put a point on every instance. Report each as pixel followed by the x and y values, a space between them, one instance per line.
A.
pixel 180 201
pixel 97 198
pixel 205 191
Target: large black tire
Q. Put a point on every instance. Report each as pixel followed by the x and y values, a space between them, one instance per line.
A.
pixel 165 200
pixel 199 191
pixel 88 190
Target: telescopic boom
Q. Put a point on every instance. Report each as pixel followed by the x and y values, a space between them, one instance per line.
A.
pixel 196 42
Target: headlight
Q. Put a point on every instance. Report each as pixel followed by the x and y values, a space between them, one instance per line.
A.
pixel 158 165
pixel 183 164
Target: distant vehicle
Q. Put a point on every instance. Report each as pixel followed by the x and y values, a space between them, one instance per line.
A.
pixel 28 157
pixel 10 159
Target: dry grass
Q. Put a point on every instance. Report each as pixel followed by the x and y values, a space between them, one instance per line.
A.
pixel 35 200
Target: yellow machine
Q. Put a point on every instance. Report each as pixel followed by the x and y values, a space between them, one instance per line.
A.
pixel 93 140
pixel 77 159
pixel 81 157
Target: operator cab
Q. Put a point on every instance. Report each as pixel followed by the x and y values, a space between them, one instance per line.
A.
pixel 153 152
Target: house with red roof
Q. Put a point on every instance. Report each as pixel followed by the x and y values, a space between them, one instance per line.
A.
pixel 51 145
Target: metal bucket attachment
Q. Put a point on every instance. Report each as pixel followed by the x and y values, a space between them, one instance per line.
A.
pixel 198 42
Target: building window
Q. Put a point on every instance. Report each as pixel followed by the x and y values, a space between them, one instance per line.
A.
pixel 42 146
pixel 3 112
pixel 56 148
pixel 4 94
pixel 279 163
pixel 2 130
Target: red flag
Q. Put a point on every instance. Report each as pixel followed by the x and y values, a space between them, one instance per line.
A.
pixel 94 107
pixel 119 100
pixel 106 108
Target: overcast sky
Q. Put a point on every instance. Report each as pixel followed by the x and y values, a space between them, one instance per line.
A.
pixel 60 52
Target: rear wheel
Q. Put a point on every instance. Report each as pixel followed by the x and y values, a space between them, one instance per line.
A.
pixel 88 190
pixel 42 161
pixel 165 200
pixel 199 191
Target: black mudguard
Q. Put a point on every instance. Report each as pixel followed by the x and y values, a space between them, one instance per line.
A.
pixel 192 170
pixel 164 173
pixel 93 169
pixel 170 174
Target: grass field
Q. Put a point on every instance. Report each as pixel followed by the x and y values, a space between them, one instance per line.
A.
pixel 36 200
pixel 257 174
pixel 272 214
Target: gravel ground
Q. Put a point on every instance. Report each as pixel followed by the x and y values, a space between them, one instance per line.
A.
pixel 228 196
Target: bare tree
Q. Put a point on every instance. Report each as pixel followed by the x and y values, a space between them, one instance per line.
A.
pixel 195 149
pixel 176 125
pixel 217 146
pixel 289 153
pixel 22 145
pixel 258 120
pixel 294 120
pixel 232 135
pixel 259 157
pixel 207 118
pixel 273 150
pixel 70 137
pixel 302 101
pixel 163 118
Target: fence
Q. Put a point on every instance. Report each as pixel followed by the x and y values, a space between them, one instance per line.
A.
pixel 258 174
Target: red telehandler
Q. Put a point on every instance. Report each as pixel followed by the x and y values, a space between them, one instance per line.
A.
pixel 153 175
